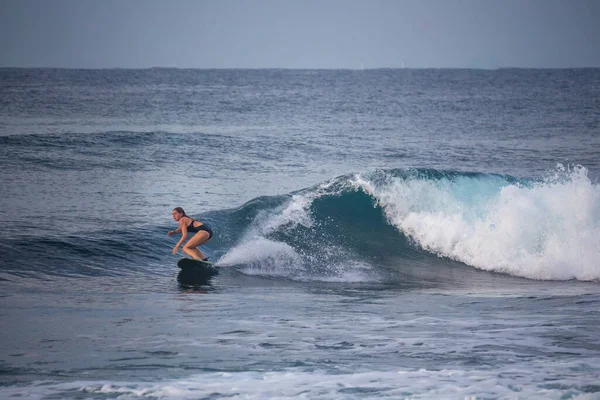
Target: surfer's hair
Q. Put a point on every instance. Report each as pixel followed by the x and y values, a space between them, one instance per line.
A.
pixel 180 211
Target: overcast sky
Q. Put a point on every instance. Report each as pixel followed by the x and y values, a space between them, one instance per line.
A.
pixel 299 33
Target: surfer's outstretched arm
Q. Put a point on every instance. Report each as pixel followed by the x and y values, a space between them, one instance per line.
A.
pixel 171 233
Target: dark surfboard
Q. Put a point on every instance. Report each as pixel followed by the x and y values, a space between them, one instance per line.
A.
pixel 195 272
pixel 200 269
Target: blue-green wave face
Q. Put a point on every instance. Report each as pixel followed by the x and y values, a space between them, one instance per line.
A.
pixel 362 227
pixel 401 225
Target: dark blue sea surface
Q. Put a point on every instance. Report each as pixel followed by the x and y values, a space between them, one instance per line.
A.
pixel 394 233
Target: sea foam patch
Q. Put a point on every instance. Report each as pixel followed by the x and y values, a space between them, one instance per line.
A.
pixel 532 382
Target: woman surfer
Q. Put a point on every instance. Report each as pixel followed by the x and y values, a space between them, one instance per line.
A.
pixel 203 233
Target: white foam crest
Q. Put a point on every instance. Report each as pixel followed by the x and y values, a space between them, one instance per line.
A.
pixel 296 212
pixel 550 230
pixel 263 256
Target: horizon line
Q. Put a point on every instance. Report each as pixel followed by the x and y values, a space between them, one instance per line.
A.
pixel 299 69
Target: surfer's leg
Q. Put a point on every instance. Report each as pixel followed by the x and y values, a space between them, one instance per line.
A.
pixel 198 239
pixel 194 253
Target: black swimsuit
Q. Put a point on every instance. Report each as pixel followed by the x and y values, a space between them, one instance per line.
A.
pixel 203 227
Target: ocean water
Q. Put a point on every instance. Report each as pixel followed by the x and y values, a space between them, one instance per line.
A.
pixel 380 234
